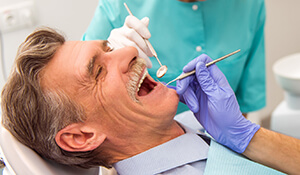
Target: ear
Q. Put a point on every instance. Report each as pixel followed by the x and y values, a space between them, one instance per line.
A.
pixel 78 137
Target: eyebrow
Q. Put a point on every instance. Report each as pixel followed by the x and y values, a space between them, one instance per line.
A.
pixel 91 64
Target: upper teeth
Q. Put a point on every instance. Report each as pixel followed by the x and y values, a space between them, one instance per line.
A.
pixel 142 79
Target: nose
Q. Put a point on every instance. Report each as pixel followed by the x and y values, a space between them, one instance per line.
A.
pixel 122 57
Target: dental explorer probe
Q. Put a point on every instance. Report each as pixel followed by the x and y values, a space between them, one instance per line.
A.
pixel 163 68
pixel 207 65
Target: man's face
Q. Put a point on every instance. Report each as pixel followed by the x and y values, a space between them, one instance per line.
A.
pixel 106 84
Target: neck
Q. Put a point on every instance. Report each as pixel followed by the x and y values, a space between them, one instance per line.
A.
pixel 137 142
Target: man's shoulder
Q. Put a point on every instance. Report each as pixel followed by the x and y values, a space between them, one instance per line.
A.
pixel 188 120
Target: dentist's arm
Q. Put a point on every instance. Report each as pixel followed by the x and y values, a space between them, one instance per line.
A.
pixel 275 150
pixel 210 97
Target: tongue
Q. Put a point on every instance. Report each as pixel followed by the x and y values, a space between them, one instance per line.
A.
pixel 143 91
pixel 145 88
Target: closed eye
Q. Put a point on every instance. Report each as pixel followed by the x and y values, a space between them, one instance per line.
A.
pixel 99 70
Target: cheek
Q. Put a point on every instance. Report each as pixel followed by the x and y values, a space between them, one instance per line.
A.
pixel 167 105
pixel 112 94
pixel 114 87
pixel 173 101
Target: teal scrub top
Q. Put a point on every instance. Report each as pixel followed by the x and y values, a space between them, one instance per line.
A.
pixel 182 31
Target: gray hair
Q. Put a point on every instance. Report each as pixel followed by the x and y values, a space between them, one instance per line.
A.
pixel 33 115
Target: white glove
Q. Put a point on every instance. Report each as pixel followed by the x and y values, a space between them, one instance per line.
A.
pixel 133 33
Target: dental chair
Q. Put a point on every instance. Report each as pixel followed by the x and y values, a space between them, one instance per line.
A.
pixel 20 159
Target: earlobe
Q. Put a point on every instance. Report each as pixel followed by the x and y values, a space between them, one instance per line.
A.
pixel 77 137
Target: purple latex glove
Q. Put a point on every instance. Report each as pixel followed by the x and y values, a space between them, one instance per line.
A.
pixel 208 94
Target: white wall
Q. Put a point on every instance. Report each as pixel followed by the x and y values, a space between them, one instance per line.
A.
pixel 70 16
pixel 73 17
pixel 282 35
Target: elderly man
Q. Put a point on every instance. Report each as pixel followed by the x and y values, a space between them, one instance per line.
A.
pixel 81 104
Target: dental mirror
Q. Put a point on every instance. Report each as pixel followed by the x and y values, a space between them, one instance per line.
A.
pixel 161 71
pixel 163 68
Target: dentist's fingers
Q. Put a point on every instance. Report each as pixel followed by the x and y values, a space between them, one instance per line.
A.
pixel 127 42
pixel 145 21
pixel 191 100
pixel 169 86
pixel 192 64
pixel 187 94
pixel 188 97
pixel 116 43
pixel 218 76
pixel 215 73
pixel 132 35
pixel 139 26
pixel 183 84
pixel 205 80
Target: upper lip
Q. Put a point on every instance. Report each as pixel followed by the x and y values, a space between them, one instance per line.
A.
pixel 140 83
pixel 142 78
pixel 137 74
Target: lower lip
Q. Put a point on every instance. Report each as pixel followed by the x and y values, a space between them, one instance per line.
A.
pixel 157 91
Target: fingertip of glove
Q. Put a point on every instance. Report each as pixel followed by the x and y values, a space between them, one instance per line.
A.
pixel 192 103
pixel 179 90
pixel 128 18
pixel 201 65
pixel 170 86
pixel 195 109
pixel 146 35
pixel 201 69
pixel 145 20
pixel 187 68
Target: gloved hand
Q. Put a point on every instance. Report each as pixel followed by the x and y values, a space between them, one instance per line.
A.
pixel 208 94
pixel 133 33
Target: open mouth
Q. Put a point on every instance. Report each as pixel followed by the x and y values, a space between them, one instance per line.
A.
pixel 140 83
pixel 145 85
